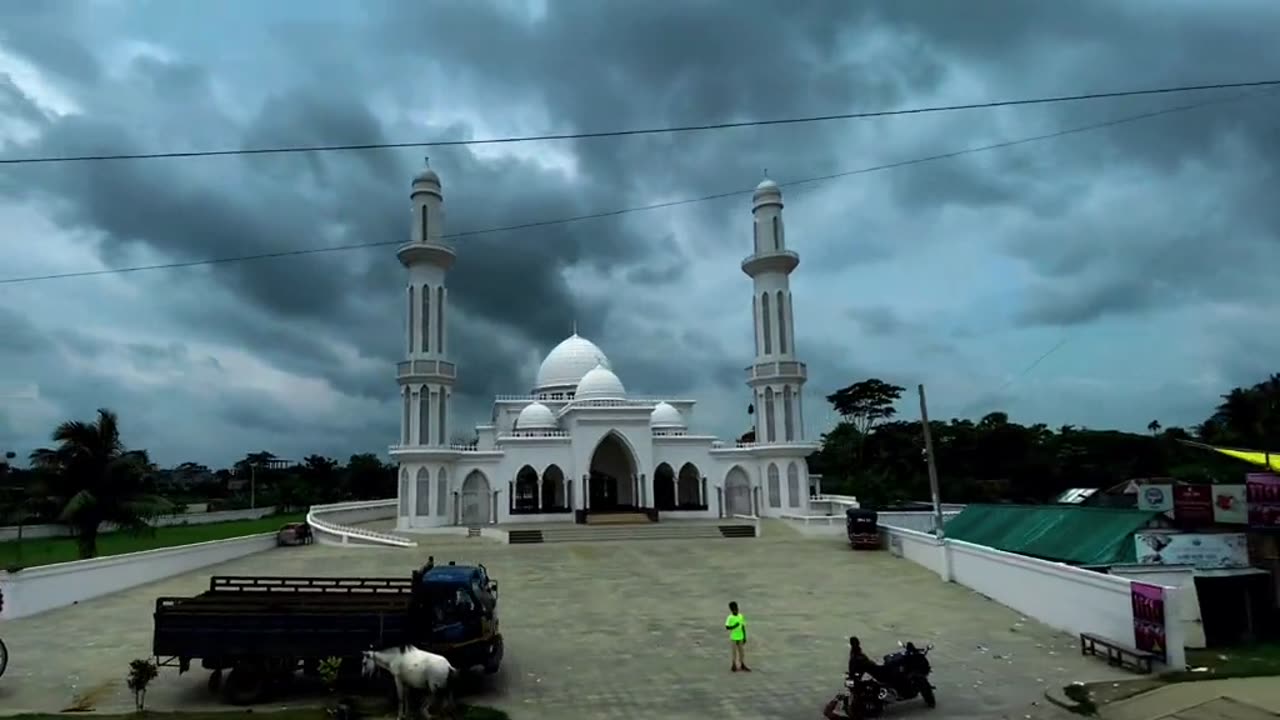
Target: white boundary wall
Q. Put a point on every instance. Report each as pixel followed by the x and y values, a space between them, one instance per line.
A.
pixel 46 587
pixel 834 525
pixel 1063 597
pixel 10 532
pixel 333 524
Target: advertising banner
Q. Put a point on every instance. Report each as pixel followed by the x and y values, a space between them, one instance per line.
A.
pixel 1148 619
pixel 1206 551
pixel 1193 504
pixel 1156 498
pixel 1230 505
pixel 1262 492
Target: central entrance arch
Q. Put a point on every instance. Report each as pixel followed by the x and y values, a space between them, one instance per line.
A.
pixel 612 480
pixel 475 499
pixel 737 492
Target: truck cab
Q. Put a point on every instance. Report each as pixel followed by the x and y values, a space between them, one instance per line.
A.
pixel 459 604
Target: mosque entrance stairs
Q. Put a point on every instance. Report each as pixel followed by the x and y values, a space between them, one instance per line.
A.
pixel 618 518
pixel 673 530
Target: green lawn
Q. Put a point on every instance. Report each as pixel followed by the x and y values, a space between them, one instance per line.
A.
pixel 1247 661
pixel 471 712
pixel 46 551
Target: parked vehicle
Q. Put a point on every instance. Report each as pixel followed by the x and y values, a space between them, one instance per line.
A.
pixel 903 676
pixel 264 629
pixel 4 657
pixel 863 529
pixel 294 534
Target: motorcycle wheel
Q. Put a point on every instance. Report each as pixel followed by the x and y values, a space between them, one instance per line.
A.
pixel 4 657
pixel 926 692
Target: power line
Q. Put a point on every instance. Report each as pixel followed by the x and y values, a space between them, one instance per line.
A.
pixel 640 131
pixel 639 208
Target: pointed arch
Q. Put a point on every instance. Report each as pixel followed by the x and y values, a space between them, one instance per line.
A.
pixel 755 320
pixel 775 487
pixel 423 493
pixel 793 485
pixel 407 418
pixel 442 491
pixel 766 324
pixel 613 472
pixel 770 432
pixel 782 323
pixel 412 314
pixel 553 488
pixel 525 498
pixel 402 493
pixel 737 492
pixel 440 319
pixel 664 487
pixel 788 420
pixel 426 318
pixel 424 415
pixel 476 505
pixel 777 233
pixel 689 487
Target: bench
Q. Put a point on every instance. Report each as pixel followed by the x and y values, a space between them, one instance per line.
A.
pixel 1117 653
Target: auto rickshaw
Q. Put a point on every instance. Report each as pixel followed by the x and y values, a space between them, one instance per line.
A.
pixel 863 530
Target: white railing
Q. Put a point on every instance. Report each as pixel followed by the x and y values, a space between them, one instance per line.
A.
pixel 533 434
pixel 333 532
pixel 814 519
pixel 634 399
pixel 755 520
pixel 850 499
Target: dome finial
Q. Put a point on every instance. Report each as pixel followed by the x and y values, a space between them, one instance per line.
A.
pixel 766 173
pixel 575 326
pixel 426 160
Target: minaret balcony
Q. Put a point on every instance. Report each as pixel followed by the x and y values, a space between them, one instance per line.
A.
pixel 433 253
pixel 781 261
pixel 425 370
pixel 781 371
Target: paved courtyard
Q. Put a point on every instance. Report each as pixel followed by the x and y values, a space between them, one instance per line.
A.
pixel 621 630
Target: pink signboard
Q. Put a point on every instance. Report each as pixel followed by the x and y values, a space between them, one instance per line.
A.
pixel 1148 618
pixel 1262 494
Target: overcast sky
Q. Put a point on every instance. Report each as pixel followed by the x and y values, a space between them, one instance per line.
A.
pixel 1151 247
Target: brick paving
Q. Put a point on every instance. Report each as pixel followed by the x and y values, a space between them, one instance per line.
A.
pixel 621 630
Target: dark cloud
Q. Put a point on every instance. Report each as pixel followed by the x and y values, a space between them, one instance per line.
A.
pixel 1167 214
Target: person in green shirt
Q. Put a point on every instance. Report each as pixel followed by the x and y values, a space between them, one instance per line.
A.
pixel 736 624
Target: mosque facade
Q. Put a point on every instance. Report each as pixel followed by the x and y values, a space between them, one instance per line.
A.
pixel 578 441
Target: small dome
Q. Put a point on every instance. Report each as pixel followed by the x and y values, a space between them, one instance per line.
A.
pixel 568 363
pixel 666 417
pixel 600 384
pixel 767 187
pixel 536 416
pixel 427 176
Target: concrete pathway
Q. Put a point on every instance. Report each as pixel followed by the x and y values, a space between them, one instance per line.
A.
pixel 1236 699
pixel 621 630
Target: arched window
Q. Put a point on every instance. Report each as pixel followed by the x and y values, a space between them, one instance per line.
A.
pixel 788 422
pixel 777 233
pixel 426 318
pixel 768 416
pixel 424 416
pixel 782 324
pixel 411 316
pixel 444 415
pixel 775 487
pixel 404 425
pixel 423 506
pixel 403 494
pixel 793 485
pixel 755 313
pixel 426 224
pixel 442 491
pixel 440 319
pixel 766 326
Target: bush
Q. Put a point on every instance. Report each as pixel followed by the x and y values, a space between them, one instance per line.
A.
pixel 141 673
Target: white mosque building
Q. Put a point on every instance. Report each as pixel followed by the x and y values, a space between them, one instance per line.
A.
pixel 578 444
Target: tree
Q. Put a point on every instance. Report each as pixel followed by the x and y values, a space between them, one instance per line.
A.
pixel 1153 427
pixel 96 480
pixel 866 403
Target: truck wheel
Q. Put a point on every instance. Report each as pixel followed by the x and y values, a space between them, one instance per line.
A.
pixel 247 684
pixel 215 681
pixel 494 662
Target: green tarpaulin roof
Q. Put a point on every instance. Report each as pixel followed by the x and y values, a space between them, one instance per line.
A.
pixel 1064 533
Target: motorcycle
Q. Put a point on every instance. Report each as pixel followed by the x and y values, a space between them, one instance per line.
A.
pixel 903 676
pixel 4 657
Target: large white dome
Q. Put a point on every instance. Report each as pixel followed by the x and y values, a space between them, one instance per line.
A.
pixel 600 384
pixel 568 362
pixel 666 417
pixel 536 416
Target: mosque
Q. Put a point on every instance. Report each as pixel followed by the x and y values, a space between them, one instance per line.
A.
pixel 578 444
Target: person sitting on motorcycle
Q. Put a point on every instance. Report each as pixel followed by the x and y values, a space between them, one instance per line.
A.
pixel 859 662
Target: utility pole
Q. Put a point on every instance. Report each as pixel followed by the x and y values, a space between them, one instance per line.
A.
pixel 253 485
pixel 933 468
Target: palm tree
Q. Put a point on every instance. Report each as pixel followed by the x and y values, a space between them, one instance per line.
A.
pixel 1153 427
pixel 95 480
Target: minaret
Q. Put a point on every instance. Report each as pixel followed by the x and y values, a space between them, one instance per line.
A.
pixel 776 378
pixel 427 375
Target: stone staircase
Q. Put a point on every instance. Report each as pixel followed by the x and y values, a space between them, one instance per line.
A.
pixel 649 531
